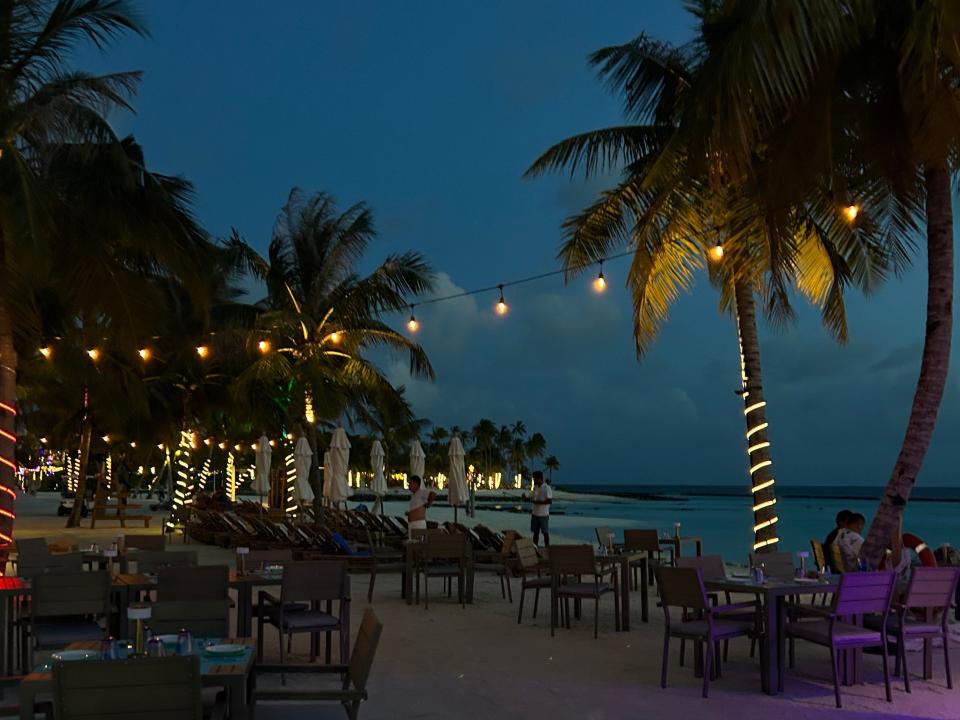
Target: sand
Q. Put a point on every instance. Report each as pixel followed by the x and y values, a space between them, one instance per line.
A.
pixel 473 663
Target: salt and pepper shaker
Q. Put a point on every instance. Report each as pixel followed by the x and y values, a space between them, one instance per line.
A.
pixel 184 642
pixel 155 648
pixel 108 648
pixel 242 553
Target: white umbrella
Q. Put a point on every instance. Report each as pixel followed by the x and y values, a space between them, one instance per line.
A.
pixel 302 457
pixel 339 458
pixel 261 479
pixel 416 459
pixel 457 493
pixel 379 484
pixel 327 474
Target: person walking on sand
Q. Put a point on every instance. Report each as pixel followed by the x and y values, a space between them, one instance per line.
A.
pixel 420 499
pixel 540 515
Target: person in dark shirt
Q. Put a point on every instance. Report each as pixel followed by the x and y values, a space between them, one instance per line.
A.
pixel 843 519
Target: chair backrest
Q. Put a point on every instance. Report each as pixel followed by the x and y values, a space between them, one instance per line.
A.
pixel 71 593
pixel 572 560
pixel 775 564
pixel 257 558
pixel 836 558
pixel 309 580
pixel 64 562
pixel 166 688
pixel 527 553
pixel 364 649
pixel 32 550
pixel 146 542
pixel 641 539
pixel 864 593
pixel 681 587
pixel 203 618
pixel 604 536
pixel 932 587
pixel 711 566
pixel 150 561
pixel 819 557
pixel 509 543
pixel 198 582
pixel 446 547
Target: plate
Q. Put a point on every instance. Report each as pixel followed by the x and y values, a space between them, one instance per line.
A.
pixel 226 649
pixel 70 655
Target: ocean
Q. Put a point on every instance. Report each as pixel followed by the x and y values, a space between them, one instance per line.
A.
pixel 722 515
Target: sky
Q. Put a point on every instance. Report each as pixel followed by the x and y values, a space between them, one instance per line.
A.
pixel 430 112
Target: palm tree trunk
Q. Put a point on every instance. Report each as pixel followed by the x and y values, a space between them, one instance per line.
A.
pixel 754 410
pixel 933 366
pixel 8 419
pixel 86 433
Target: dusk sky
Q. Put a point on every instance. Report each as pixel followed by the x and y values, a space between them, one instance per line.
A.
pixel 430 112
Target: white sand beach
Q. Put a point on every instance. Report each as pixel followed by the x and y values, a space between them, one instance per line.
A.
pixel 477 662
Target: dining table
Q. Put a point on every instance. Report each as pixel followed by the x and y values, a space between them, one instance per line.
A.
pixel 232 672
pixel 413 551
pixel 676 543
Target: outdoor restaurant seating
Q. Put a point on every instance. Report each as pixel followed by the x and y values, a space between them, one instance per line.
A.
pixel 859 593
pixel 316 583
pixel 701 622
pixel 146 542
pixel 645 540
pixel 165 688
pixel 150 561
pixel 45 709
pixel 67 607
pixel 778 565
pixel 444 556
pixel 532 576
pixel 712 567
pixel 569 564
pixel 353 687
pixel 499 563
pixel 194 598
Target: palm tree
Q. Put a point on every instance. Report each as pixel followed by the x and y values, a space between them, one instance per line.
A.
pixel 551 463
pixel 535 446
pixel 43 103
pixel 321 318
pixel 675 205
pixel 484 436
pixel 858 97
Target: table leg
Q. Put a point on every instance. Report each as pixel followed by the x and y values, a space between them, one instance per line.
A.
pixel 771 643
pixel 237 697
pixel 245 610
pixel 699 548
pixel 625 594
pixel 27 696
pixel 644 599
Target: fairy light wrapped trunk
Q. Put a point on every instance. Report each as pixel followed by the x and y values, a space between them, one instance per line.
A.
pixel 182 486
pixel 754 410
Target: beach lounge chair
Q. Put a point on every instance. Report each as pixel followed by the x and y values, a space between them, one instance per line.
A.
pixel 858 594
pixel 353 687
pixel 164 688
pixel 701 622
pixel 569 565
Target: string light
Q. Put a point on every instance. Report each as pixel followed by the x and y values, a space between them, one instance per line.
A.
pixel 764 504
pixel 46 351
pixel 264 346
pixel 182 488
pixel 203 351
pixel 290 504
pixel 5 534
pixel 335 337
pixel 600 283
pixel 850 212
pixel 502 307
pixel 412 324
pixel 759 446
pixel 223 446
pixel 716 253
pixel 231 477
pixel 756 428
pixel 106 439
pixel 133 443
pixel 94 354
pixel 144 354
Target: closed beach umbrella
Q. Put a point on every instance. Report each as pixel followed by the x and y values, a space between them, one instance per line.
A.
pixel 339 458
pixel 379 485
pixel 457 492
pixel 327 474
pixel 416 459
pixel 302 456
pixel 261 478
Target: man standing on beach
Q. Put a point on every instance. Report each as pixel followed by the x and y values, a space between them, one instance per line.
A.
pixel 420 499
pixel 540 516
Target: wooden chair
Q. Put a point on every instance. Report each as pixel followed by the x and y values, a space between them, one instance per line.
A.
pixel 166 688
pixel 445 556
pixel 67 607
pixel 607 539
pixel 353 690
pixel 701 622
pixel 146 542
pixel 645 540
pixel 31 553
pixel 500 564
pixel 569 564
pixel 151 561
pixel 313 583
pixel 929 594
pixel 194 598
pixel 776 565
pixel 14 711
pixel 531 573
pixel 860 593
pixel 712 567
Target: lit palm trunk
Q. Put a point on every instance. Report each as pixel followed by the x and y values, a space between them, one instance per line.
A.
pixel 754 410
pixel 83 460
pixel 8 424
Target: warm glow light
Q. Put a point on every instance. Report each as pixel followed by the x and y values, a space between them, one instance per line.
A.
pixel 755 406
pixel 144 354
pixel 106 439
pixel 208 442
pixel 223 446
pixel 264 346
pixel 502 306
pixel 203 351
pixel 716 253
pixel 335 337
pixel 273 443
pixel 600 284
pixel 765 523
pixel 412 324
pixel 759 446
pixel 290 436
pixel 94 354
pixel 755 429
pixel 237 447
pixel 765 504
pixel 764 543
pixel 159 446
pixel 133 444
pixel 851 211
pixel 760 466
pixel 46 351
pixel 762 486
pixel 43 441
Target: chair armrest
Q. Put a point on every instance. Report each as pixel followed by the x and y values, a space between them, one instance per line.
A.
pixel 810 610
pixel 265 597
pixel 748 605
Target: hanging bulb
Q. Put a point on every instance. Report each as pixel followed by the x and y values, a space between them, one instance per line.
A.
pixel 412 324
pixel 335 337
pixel 94 354
pixel 144 354
pixel 600 284
pixel 850 212
pixel 223 446
pixel 716 252
pixel 46 351
pixel 203 351
pixel 502 306
pixel 106 439
pixel 264 346
pixel 133 443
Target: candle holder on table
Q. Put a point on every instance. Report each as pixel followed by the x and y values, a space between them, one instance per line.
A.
pixel 139 613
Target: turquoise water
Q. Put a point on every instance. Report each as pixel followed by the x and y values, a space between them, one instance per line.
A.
pixel 723 518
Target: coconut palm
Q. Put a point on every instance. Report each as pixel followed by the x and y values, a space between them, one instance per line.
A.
pixel 321 319
pixel 41 103
pixel 551 463
pixel 881 79
pixel 675 206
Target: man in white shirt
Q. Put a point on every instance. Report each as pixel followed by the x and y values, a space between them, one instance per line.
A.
pixel 850 540
pixel 420 499
pixel 540 516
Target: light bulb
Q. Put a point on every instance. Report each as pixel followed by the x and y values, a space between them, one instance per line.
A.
pixel 716 253
pixel 203 351
pixel 335 337
pixel 264 346
pixel 208 442
pixel 412 324
pixel 851 212
pixel 133 443
pixel 502 306
pixel 223 446
pixel 237 447
pixel 43 441
pixel 106 439
pixel 94 354
pixel 46 351
pixel 144 353
pixel 600 284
